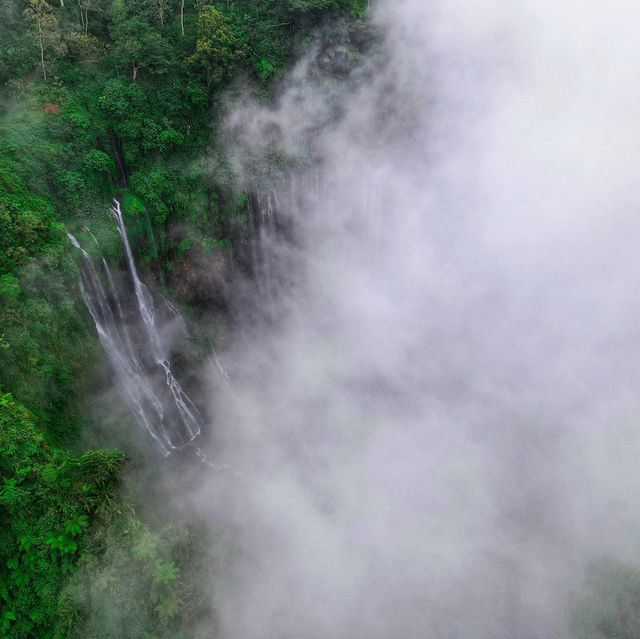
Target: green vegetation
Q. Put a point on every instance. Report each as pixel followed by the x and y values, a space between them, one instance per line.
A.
pixel 39 319
pixel 132 577
pixel 50 504
pixel 101 98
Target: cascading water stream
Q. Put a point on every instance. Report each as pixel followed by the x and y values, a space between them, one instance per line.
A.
pixel 187 410
pixel 271 243
pixel 114 338
pixel 137 351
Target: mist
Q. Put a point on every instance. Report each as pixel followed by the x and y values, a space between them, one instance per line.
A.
pixel 437 430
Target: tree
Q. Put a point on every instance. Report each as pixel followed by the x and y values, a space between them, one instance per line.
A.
pixel 84 6
pixel 45 30
pixel 83 10
pixel 141 46
pixel 82 46
pixel 163 6
pixel 219 49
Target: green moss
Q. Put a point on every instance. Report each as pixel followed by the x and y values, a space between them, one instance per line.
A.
pixel 132 205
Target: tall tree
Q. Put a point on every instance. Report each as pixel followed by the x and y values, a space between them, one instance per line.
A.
pixel 85 6
pixel 137 44
pixel 219 49
pixel 83 11
pixel 46 32
pixel 163 6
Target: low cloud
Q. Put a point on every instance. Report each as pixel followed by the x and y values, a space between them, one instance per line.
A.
pixel 438 428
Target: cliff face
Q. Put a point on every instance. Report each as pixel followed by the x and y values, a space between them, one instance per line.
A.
pixel 202 278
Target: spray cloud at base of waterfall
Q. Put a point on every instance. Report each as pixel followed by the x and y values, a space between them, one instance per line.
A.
pixel 440 429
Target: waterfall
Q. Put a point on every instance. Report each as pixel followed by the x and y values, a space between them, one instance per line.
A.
pixel 136 350
pixel 272 242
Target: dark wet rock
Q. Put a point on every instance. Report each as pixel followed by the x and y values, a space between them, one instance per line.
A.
pixel 336 60
pixel 202 277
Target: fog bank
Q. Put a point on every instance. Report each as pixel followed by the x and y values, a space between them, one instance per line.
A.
pixel 440 428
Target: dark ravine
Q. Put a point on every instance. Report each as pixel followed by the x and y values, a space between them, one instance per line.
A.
pixel 116 148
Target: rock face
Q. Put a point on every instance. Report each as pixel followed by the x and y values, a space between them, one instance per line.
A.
pixel 341 46
pixel 202 278
pixel 335 60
